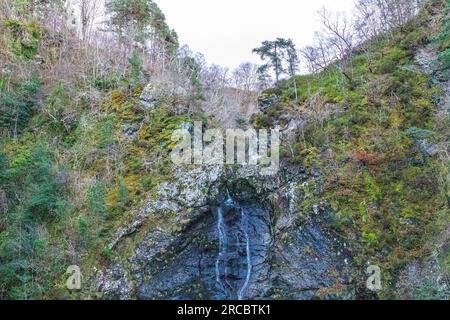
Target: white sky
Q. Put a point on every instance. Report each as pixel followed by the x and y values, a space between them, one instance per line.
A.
pixel 226 31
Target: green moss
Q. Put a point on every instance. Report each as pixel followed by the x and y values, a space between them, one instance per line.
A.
pixel 442 40
pixel 18 103
pixel 391 59
pixel 373 190
pixel 378 182
pixel 124 106
pixel 157 132
pixel 25 38
pixel 371 238
pixel 32 175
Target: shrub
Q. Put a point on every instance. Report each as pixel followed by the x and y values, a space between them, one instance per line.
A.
pixel 41 187
pixel 443 41
pixel 106 81
pixel 414 39
pixel 17 103
pixel 25 38
pixel 105 134
pixel 419 134
pixel 96 199
pixel 392 57
pixel 61 111
pixel 444 57
pixel 27 260
pixel 135 69
pixel 365 157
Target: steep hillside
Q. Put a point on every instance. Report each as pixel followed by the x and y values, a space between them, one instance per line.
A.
pixel 86 177
pixel 381 143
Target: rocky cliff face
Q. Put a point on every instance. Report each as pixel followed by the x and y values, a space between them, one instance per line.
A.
pixel 356 159
pixel 284 257
pixel 428 272
pixel 86 176
pixel 220 232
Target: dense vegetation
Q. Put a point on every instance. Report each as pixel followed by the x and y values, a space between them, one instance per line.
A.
pixel 78 152
pixel 366 137
pixel 68 173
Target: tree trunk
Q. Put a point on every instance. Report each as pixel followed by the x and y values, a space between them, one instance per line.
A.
pixel 277 71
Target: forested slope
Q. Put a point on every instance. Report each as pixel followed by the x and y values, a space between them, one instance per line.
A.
pixel 86 123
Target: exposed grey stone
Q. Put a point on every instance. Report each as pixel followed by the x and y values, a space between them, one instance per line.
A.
pixel 131 130
pixel 427 148
pixel 181 265
pixel 114 283
pixel 149 96
pixel 267 101
pixel 155 92
pixel 428 60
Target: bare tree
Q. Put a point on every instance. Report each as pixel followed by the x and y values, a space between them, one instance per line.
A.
pixel 89 11
pixel 374 17
pixel 245 77
pixel 342 33
pixel 320 54
pixel 339 29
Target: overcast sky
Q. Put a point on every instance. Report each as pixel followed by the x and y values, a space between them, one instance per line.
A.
pixel 226 31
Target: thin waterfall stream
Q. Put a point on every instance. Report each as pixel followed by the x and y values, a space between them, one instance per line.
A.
pixel 233 256
pixel 231 253
pixel 249 258
pixel 225 255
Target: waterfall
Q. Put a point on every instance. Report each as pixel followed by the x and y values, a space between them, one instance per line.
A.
pixel 229 202
pixel 248 254
pixel 233 266
pixel 227 252
pixel 223 244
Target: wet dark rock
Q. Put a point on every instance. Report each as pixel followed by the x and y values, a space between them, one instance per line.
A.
pixel 216 262
pixel 246 238
pixel 272 266
pixel 308 260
